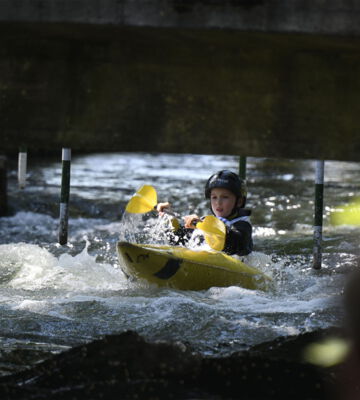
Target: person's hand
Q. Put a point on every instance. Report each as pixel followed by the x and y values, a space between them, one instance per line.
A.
pixel 191 221
pixel 161 208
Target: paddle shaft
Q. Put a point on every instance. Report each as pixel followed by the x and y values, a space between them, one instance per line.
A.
pixel 168 212
pixel 145 200
pixel 194 221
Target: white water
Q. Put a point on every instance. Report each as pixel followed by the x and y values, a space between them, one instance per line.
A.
pixel 54 297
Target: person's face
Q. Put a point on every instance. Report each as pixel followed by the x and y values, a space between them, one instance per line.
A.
pixel 222 202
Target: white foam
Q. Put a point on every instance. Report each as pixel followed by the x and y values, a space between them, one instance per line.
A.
pixel 263 232
pixel 36 268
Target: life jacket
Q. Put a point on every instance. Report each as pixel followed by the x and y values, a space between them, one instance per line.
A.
pixel 230 222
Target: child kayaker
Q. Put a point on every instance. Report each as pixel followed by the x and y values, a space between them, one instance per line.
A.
pixel 227 194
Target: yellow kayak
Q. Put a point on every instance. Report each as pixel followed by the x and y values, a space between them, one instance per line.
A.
pixel 185 269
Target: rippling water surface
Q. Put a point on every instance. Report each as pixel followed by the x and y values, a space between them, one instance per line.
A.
pixel 53 297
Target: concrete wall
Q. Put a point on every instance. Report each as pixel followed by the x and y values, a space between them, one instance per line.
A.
pixel 302 16
pixel 100 87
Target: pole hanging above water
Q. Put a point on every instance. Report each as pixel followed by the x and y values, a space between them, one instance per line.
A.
pixel 22 164
pixel 3 186
pixel 318 218
pixel 242 167
pixel 64 197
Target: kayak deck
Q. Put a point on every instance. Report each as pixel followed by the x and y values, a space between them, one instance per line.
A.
pixel 185 269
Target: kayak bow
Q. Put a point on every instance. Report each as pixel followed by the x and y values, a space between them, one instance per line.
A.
pixel 185 269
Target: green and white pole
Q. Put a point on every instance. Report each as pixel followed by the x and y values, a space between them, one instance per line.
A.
pixel 242 167
pixel 22 165
pixel 65 194
pixel 318 220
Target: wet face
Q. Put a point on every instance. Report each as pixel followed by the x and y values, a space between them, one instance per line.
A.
pixel 222 202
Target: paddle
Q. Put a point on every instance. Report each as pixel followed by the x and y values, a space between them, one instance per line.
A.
pixel 145 200
pixel 214 231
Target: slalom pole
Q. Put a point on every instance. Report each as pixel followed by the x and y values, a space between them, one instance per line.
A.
pixel 318 219
pixel 64 197
pixel 22 163
pixel 3 187
pixel 242 167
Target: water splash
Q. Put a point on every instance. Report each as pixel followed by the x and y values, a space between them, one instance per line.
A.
pixel 31 267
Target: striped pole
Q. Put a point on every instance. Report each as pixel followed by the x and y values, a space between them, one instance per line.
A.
pixel 318 220
pixel 242 167
pixel 64 197
pixel 22 162
pixel 3 187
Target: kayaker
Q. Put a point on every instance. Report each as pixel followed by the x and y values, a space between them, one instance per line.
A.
pixel 227 194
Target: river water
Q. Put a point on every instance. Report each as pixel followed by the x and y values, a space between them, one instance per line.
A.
pixel 54 297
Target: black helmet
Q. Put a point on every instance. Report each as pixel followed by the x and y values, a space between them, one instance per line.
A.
pixel 227 180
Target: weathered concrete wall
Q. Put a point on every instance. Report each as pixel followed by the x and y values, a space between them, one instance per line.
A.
pixel 101 88
pixel 302 16
pixel 157 75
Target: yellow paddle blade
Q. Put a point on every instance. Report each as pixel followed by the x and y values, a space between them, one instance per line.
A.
pixel 143 201
pixel 346 215
pixel 214 231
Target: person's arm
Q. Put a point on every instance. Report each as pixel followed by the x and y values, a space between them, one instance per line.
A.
pixel 239 239
pixel 162 208
pixel 190 221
